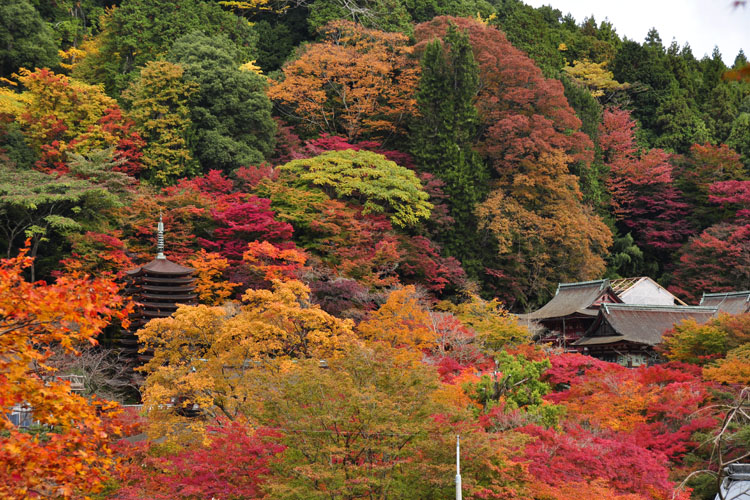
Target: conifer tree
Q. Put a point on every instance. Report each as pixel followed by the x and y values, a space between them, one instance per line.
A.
pixel 445 132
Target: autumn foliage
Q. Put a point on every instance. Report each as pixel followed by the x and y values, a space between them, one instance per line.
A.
pixel 71 454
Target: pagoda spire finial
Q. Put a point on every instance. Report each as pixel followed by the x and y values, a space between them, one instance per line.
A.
pixel 160 239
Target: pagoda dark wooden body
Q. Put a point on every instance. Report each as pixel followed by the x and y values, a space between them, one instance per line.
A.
pixel 157 289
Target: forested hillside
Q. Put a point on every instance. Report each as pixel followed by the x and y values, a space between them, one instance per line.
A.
pixel 365 190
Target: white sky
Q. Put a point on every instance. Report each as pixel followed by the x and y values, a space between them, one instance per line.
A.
pixel 701 23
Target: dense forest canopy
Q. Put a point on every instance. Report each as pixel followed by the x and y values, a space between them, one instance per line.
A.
pixel 364 189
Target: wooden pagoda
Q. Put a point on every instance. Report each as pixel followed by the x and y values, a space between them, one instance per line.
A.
pixel 157 289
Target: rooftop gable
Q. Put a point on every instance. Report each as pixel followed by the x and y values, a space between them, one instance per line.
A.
pixel 644 290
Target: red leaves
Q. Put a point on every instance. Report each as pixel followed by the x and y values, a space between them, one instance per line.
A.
pixel 643 194
pixel 232 465
pixel 242 223
pixel 577 455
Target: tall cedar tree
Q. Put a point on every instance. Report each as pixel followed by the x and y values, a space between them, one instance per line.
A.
pixel 445 131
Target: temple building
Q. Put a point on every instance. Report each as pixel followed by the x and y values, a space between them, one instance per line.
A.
pixel 571 311
pixel 644 290
pixel 157 288
pixel 729 302
pixel 627 333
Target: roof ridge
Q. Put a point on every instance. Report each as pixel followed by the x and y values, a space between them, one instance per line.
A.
pixel 726 294
pixel 660 307
pixel 582 283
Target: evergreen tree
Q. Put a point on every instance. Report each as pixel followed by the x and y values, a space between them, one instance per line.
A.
pixel 231 113
pixel 739 137
pixel 446 130
pixel 26 40
pixel 740 60
pixel 139 31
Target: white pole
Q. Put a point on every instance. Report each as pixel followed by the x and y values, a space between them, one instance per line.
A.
pixel 458 467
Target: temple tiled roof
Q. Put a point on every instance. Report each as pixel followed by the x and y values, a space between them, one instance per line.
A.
pixel 730 302
pixel 643 324
pixel 571 298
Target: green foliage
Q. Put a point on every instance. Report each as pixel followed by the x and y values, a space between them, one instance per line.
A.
pixel 13 147
pixel 678 125
pixel 378 183
pixel 444 133
pixel 517 384
pixel 739 137
pixel 139 31
pixel 591 178
pixel 275 43
pixel 386 15
pixel 26 40
pixel 36 205
pixel 626 259
pixel 644 68
pixel 231 113
pixel 158 102
pixel 534 31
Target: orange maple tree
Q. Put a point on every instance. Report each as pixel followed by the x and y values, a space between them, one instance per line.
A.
pixel 69 453
pixel 355 82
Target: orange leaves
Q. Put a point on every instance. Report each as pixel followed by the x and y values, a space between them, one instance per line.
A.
pixel 72 454
pixel 210 284
pixel 273 262
pixel 734 369
pixel 356 82
pixel 401 322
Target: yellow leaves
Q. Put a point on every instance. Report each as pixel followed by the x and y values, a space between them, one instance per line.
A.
pixel 734 369
pixel 254 6
pixel 210 356
pixel 210 285
pixel 594 76
pixel 12 104
pixel 485 20
pixel 401 322
pixel 69 58
pixel 496 328
pixel 251 66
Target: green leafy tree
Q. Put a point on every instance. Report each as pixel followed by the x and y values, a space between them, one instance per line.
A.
pixel 36 205
pixel 517 384
pixel 739 137
pixel 644 68
pixel 26 40
pixel 378 183
pixel 159 106
pixel 139 31
pixel 445 131
pixel 231 113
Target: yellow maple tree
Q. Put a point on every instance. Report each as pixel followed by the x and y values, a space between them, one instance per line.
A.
pixel 208 359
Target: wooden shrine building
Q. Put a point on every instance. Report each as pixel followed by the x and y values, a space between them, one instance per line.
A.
pixel 157 289
pixel 729 302
pixel 627 333
pixel 571 311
